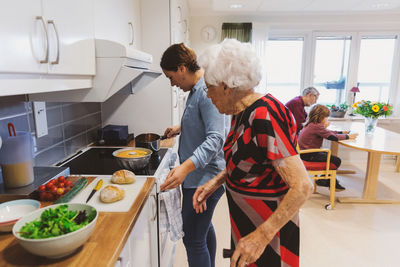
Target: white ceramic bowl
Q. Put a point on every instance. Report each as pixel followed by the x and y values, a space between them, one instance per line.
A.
pixel 12 211
pixel 59 246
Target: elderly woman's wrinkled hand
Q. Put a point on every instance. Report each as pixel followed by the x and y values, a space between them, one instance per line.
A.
pixel 202 193
pixel 249 249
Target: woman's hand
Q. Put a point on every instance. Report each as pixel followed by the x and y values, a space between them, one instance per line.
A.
pixel 172 131
pixel 204 191
pixel 177 175
pixel 353 136
pixel 249 248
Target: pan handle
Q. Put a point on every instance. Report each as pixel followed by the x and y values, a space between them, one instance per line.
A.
pixel 163 137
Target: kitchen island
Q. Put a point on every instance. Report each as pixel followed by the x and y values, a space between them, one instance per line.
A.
pixel 102 249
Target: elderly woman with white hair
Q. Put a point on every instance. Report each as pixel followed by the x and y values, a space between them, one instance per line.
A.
pixel 265 178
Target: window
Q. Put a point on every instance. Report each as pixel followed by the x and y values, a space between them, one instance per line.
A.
pixel 375 67
pixel 332 55
pixel 334 62
pixel 284 67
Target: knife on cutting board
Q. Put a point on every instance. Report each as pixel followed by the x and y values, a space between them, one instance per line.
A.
pixel 95 189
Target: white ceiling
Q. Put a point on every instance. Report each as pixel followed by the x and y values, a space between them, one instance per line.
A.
pixel 269 7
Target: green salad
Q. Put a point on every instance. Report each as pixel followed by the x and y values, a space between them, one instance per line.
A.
pixel 56 222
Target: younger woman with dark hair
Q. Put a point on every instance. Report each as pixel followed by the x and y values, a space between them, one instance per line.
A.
pixel 312 136
pixel 202 135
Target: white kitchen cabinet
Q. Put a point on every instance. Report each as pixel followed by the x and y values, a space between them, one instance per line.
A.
pixel 47 37
pixel 73 52
pixel 179 21
pixel 141 248
pixel 21 32
pixel 118 20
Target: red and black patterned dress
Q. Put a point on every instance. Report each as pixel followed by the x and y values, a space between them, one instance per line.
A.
pixel 263 132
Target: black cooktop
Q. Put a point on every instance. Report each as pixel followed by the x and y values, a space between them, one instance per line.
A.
pixel 99 160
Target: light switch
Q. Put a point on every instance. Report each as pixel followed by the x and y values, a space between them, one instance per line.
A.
pixel 39 113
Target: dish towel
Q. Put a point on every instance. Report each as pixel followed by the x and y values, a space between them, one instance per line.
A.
pixel 170 213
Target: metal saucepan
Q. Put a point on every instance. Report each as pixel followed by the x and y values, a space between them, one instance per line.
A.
pixel 133 158
pixel 149 140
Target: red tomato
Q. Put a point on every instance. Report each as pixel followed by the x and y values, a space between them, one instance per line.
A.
pixel 61 179
pixel 53 190
pixel 49 196
pixel 49 185
pixel 61 185
pixel 66 190
pixel 67 183
pixel 52 181
pixel 43 196
pixel 42 188
pixel 60 191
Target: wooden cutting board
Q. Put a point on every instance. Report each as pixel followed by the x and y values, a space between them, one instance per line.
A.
pixel 131 192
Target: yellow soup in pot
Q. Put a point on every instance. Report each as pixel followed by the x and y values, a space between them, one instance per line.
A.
pixel 134 153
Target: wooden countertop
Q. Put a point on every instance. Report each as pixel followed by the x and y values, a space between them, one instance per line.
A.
pixel 102 249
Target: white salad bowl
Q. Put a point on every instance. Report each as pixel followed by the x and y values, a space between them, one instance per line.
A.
pixel 12 211
pixel 59 246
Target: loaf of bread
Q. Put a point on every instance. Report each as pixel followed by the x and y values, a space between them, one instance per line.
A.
pixel 123 177
pixel 111 193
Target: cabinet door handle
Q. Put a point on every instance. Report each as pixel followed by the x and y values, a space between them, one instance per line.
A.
pixel 155 208
pixel 58 42
pixel 46 58
pixel 176 96
pixel 132 33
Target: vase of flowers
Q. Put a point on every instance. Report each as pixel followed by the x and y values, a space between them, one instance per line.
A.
pixel 371 112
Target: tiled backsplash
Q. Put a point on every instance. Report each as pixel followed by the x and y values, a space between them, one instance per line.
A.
pixel 71 126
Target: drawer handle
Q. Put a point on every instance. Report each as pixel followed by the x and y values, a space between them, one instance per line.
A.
pixel 132 33
pixel 155 208
pixel 46 58
pixel 58 43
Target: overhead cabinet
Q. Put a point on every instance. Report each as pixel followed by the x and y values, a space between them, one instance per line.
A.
pixel 115 21
pixel 45 37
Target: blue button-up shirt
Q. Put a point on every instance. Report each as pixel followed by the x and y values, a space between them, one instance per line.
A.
pixel 203 132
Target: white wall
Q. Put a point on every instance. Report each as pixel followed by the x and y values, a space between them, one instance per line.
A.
pixel 149 110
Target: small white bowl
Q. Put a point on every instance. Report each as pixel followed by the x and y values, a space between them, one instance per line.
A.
pixel 12 211
pixel 59 246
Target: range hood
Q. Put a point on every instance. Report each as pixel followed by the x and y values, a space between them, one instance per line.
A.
pixel 118 70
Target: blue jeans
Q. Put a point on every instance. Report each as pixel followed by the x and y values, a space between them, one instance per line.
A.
pixel 199 239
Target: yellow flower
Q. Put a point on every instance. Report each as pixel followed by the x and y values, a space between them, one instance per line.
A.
pixel 375 108
pixel 355 104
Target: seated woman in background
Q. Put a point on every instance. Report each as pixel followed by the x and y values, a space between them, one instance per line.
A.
pixel 312 135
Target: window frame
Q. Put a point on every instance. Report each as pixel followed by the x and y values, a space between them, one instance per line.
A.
pixel 309 53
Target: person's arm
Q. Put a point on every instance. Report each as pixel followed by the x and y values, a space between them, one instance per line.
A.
pixel 172 131
pixel 214 123
pixel 204 191
pixel 292 171
pixel 330 135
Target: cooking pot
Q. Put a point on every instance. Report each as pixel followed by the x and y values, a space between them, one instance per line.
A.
pixel 133 158
pixel 149 140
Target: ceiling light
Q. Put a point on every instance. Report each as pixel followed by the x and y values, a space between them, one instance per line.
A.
pixel 235 6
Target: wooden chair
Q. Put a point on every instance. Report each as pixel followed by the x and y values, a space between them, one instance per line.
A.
pixel 325 170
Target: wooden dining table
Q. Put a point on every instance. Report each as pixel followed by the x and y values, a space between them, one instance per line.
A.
pixel 382 141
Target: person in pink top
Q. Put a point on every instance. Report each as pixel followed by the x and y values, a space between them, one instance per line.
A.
pixel 312 136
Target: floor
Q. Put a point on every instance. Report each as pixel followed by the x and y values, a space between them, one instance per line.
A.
pixel 353 235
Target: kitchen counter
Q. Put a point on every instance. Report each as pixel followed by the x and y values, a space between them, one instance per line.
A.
pixel 102 249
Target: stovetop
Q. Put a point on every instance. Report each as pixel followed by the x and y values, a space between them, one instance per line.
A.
pixel 99 160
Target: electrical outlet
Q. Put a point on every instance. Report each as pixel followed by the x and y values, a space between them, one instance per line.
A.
pixel 39 113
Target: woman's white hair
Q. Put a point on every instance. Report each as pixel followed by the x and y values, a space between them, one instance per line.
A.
pixel 233 63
